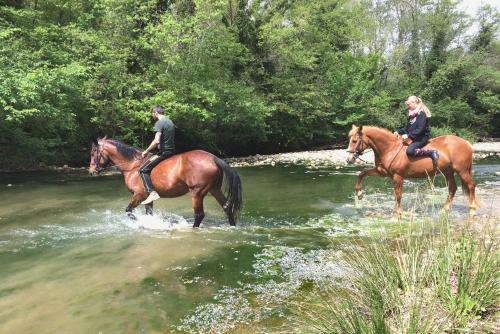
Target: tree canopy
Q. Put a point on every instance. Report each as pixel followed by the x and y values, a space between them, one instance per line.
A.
pixel 237 76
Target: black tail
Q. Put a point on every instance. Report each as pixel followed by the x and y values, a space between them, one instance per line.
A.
pixel 233 187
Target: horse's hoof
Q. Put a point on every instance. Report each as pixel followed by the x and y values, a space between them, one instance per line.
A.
pixel 131 216
pixel 359 195
pixel 472 213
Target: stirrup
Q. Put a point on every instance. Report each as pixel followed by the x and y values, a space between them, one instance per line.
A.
pixel 153 196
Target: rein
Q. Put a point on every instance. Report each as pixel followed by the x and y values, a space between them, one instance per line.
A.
pixel 395 155
pixel 358 150
pixel 99 168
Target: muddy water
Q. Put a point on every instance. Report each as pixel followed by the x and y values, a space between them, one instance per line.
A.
pixel 71 262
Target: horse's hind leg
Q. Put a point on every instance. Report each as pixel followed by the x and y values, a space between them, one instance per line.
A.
pixel 469 188
pixel 452 188
pixel 199 213
pixel 136 199
pixel 222 200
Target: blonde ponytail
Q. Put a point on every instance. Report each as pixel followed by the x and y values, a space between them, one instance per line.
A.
pixel 424 108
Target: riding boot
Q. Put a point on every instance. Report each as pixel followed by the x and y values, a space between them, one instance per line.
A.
pixel 433 154
pixel 148 184
pixel 435 157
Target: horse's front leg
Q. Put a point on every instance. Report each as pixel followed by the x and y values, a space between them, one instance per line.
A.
pixel 136 199
pixel 369 172
pixel 398 191
pixel 149 208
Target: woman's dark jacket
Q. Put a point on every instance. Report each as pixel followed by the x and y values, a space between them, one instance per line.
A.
pixel 417 127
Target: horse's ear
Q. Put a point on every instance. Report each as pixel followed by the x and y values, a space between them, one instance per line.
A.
pixel 353 127
pixel 105 137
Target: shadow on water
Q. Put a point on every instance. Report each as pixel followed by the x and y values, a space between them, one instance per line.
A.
pixel 71 261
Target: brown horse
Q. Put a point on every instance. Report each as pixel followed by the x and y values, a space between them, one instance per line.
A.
pixel 455 156
pixel 197 172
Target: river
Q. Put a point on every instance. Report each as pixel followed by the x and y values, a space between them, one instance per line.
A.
pixel 72 262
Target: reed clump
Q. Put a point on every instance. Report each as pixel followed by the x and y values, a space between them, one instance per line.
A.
pixel 435 277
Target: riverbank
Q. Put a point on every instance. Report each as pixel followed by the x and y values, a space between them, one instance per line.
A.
pixel 338 157
pixel 312 159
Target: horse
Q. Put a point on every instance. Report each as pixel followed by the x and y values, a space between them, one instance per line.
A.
pixel 391 160
pixel 197 172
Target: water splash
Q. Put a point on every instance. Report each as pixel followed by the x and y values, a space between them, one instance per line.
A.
pixel 93 225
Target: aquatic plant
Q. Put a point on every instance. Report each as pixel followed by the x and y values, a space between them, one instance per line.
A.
pixel 429 280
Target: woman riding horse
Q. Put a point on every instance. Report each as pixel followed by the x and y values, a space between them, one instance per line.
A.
pixel 417 129
pixel 455 157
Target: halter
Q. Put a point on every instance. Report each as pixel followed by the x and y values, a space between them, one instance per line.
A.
pixel 358 150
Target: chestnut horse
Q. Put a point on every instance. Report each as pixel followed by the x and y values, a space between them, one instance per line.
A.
pixel 197 172
pixel 455 156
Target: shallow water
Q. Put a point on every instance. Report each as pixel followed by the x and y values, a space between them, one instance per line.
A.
pixel 72 262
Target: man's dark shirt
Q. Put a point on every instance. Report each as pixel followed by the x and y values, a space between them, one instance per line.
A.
pixel 166 127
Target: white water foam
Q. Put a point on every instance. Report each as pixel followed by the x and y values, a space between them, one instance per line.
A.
pixel 93 224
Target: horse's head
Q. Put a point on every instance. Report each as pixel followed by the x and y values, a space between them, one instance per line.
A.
pixel 356 143
pixel 99 158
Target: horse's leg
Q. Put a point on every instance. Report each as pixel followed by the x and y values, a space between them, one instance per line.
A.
pixel 222 200
pixel 452 188
pixel 398 190
pixel 361 176
pixel 199 214
pixel 149 208
pixel 469 188
pixel 136 199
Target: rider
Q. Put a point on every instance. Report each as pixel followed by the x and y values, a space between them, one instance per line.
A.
pixel 417 129
pixel 164 140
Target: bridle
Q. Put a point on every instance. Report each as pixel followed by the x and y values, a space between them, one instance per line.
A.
pixel 97 161
pixel 358 149
pixel 99 168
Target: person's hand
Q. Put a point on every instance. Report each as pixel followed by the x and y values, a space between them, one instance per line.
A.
pixel 405 136
pixel 144 153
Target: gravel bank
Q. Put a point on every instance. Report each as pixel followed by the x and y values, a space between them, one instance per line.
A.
pixel 336 157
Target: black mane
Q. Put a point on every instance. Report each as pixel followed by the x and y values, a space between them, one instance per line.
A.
pixel 127 151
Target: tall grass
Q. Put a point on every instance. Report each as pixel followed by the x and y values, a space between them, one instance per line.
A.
pixel 429 280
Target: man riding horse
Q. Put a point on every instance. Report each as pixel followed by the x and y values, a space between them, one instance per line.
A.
pixel 164 141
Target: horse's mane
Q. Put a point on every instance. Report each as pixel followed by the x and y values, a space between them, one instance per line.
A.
pixel 353 131
pixel 127 151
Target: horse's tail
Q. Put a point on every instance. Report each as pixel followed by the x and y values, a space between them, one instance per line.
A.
pixel 233 187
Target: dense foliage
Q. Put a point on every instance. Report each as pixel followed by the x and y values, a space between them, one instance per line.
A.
pixel 237 76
